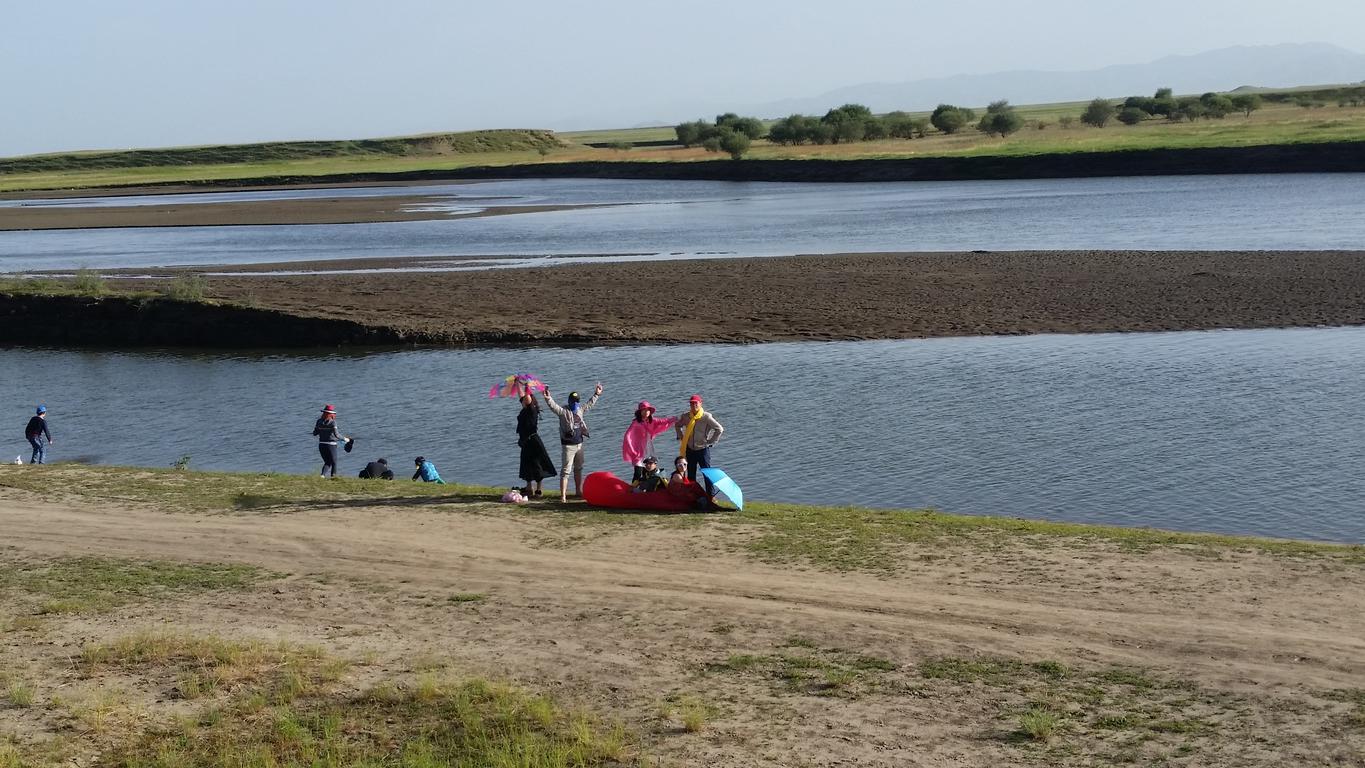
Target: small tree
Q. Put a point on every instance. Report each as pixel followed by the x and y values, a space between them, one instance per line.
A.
pixel 1098 113
pixel 1131 116
pixel 948 118
pixel 1246 103
pixel 1163 106
pixel 693 133
pixel 1000 118
pixel 1216 105
pixel 749 126
pixel 1188 108
pixel 1165 93
pixel 850 122
pixel 734 142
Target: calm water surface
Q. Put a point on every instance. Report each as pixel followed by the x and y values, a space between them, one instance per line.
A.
pixel 673 219
pixel 1254 432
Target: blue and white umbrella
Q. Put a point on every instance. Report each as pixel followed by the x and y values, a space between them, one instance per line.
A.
pixel 724 486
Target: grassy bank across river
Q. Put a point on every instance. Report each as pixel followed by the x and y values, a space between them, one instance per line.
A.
pixel 163 617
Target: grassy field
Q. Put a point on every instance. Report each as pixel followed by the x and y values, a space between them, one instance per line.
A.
pixel 1276 123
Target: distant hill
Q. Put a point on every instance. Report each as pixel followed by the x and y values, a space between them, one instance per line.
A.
pixel 1267 66
pixel 509 140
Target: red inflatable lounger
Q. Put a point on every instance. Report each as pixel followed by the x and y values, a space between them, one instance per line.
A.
pixel 603 489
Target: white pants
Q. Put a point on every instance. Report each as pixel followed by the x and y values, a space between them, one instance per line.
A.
pixel 570 459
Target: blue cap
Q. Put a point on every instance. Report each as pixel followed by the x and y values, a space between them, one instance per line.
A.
pixel 42 409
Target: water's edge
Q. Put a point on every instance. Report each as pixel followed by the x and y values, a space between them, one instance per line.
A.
pixel 120 322
pixel 1322 157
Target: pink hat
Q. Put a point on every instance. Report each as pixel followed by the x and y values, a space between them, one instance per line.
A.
pixel 328 408
pixel 694 399
pixel 644 406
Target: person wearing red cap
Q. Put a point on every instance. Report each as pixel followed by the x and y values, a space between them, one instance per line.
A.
pixel 698 432
pixel 639 439
pixel 325 429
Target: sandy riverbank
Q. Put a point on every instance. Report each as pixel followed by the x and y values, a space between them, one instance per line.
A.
pixel 854 296
pixel 311 210
pixel 914 642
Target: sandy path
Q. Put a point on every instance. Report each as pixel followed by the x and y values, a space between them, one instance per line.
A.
pixel 627 614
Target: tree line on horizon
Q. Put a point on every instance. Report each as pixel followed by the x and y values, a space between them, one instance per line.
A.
pixel 734 134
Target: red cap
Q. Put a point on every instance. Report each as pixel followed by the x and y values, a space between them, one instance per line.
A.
pixel 694 399
pixel 644 406
pixel 328 408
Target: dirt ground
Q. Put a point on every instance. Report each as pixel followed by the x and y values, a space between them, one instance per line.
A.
pixel 1230 658
pixel 840 296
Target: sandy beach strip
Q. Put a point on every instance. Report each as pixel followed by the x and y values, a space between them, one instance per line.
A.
pixel 838 297
pixel 320 210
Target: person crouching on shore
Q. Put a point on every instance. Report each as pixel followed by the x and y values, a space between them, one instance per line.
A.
pixel 426 471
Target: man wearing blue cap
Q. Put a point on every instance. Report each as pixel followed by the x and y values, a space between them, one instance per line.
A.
pixel 36 432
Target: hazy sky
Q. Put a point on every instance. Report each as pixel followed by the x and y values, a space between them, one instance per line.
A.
pixel 145 73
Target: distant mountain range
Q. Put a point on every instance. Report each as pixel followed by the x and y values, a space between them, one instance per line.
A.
pixel 1274 66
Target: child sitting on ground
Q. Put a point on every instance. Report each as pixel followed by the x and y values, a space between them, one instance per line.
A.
pixel 426 471
pixel 650 480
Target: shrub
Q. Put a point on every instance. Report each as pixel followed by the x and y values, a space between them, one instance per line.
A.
pixel 1099 112
pixel 1000 118
pixel 734 142
pixel 849 122
pixel 949 119
pixel 749 126
pixel 1038 724
pixel 620 146
pixel 187 288
pixel 1066 121
pixel 88 282
pixel 1131 116
pixel 1246 103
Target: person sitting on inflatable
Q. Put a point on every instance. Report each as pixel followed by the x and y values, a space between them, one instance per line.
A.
pixel 649 481
pixel 683 488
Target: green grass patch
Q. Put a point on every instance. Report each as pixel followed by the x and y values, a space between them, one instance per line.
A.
pixel 830 538
pixel 195 491
pixel 1039 724
pixel 467 597
pixel 274 704
pixel 87 584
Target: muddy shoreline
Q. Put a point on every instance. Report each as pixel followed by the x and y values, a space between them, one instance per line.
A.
pixel 797 298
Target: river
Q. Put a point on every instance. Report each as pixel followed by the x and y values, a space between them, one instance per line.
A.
pixel 1252 432
pixel 685 219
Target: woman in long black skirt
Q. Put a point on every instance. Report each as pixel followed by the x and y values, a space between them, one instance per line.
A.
pixel 535 460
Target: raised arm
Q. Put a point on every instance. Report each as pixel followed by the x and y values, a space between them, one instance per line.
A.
pixel 555 408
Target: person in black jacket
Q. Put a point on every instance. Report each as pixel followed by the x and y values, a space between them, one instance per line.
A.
pixel 377 470
pixel 35 433
pixel 325 430
pixel 535 460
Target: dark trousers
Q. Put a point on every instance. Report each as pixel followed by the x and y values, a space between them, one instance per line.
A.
pixel 697 460
pixel 329 459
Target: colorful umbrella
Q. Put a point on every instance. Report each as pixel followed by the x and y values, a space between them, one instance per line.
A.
pixel 724 486
pixel 516 385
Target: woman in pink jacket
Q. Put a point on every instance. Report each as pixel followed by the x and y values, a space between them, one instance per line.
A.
pixel 639 440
